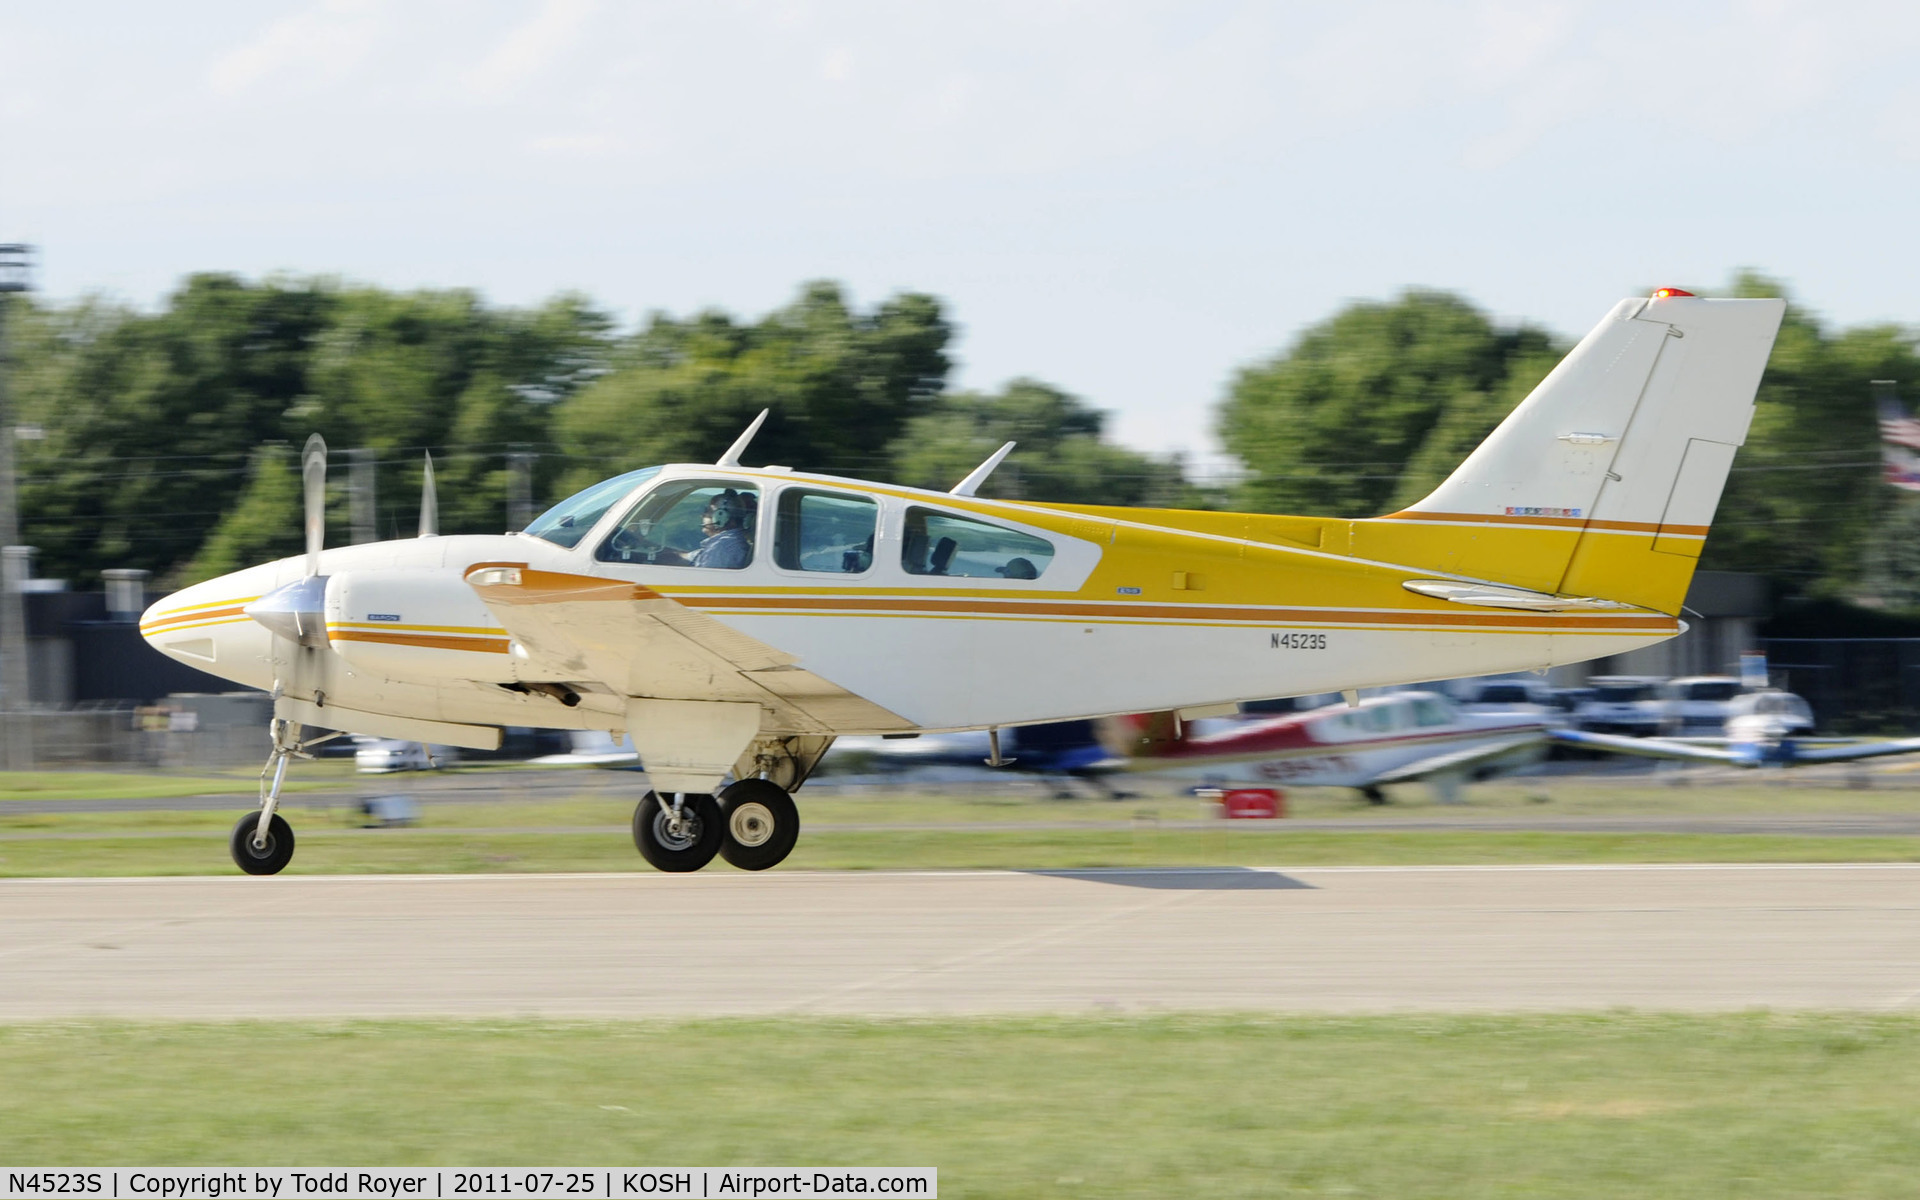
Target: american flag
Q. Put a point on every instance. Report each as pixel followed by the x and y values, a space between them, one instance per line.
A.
pixel 1900 467
pixel 1896 427
pixel 1899 439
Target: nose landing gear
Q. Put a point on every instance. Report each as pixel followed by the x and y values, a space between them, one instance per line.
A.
pixel 262 842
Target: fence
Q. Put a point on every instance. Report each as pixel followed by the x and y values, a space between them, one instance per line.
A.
pixel 1855 685
pixel 127 736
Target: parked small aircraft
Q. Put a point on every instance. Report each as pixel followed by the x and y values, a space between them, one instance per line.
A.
pixel 1762 730
pixel 1402 737
pixel 734 620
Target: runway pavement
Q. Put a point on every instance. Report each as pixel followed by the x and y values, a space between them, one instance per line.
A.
pixel 1321 939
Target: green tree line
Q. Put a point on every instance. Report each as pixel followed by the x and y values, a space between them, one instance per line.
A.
pixel 168 439
pixel 1367 411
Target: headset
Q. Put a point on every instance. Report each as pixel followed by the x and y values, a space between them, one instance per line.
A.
pixel 728 510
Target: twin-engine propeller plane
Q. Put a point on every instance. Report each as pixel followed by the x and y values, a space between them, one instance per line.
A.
pixel 734 620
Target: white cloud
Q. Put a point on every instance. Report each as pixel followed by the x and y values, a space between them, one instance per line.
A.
pixel 532 47
pixel 322 43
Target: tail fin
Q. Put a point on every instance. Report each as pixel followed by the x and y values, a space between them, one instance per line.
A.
pixel 1608 474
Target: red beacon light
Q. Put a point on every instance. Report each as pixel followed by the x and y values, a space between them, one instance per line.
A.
pixel 1669 293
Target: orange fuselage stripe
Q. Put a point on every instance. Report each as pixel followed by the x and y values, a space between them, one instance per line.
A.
pixel 423 641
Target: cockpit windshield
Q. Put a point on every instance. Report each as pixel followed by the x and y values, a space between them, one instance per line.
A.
pixel 568 521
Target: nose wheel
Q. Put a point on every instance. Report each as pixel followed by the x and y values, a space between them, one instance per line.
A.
pixel 262 856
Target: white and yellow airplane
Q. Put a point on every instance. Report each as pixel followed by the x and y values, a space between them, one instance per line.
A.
pixel 734 620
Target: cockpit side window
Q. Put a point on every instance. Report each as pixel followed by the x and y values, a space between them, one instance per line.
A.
pixel 689 523
pixel 938 543
pixel 1431 710
pixel 824 531
pixel 570 520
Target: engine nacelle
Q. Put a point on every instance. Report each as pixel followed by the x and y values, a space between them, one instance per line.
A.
pixel 426 626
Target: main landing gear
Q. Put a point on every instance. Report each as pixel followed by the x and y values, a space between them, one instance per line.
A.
pixel 753 824
pixel 262 842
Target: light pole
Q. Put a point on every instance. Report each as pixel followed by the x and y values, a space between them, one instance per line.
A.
pixel 16 267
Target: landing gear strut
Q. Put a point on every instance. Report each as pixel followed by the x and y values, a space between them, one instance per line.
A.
pixel 262 842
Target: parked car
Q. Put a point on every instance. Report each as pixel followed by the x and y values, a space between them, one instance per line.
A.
pixel 1511 696
pixel 1625 704
pixel 1567 700
pixel 1697 705
pixel 376 756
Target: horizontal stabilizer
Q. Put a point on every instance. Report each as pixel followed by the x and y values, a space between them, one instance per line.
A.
pixel 1488 595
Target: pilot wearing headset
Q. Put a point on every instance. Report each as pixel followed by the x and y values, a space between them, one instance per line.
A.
pixel 724 543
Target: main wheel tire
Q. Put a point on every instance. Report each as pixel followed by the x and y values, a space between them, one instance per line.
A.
pixel 693 847
pixel 761 822
pixel 268 859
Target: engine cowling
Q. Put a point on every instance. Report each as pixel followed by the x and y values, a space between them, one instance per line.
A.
pixel 424 626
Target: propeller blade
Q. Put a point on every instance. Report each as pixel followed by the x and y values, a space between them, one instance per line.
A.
pixel 429 502
pixel 313 477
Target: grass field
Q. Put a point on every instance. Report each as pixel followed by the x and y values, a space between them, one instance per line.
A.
pixel 577 823
pixel 1626 1104
pixel 338 852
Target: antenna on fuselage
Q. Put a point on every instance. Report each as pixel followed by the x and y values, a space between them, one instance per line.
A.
pixel 429 502
pixel 971 484
pixel 313 478
pixel 732 457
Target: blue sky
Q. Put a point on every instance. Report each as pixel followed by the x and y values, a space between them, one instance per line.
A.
pixel 1129 200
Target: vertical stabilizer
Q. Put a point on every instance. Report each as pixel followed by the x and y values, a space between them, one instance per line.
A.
pixel 1603 481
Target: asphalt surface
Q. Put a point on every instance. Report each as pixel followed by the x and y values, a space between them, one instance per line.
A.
pixel 1321 939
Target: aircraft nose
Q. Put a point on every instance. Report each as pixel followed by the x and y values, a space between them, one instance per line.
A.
pixel 185 624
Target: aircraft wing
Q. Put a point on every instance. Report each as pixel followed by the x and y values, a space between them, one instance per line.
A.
pixel 1856 750
pixel 637 642
pixel 1457 760
pixel 1645 747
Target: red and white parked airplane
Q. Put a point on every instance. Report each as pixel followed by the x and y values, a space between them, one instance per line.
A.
pixel 1397 738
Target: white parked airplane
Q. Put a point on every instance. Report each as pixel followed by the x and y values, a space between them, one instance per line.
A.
pixel 1763 729
pixel 734 620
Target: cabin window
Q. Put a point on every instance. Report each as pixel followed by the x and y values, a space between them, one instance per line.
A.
pixel 824 531
pixel 689 523
pixel 1429 711
pixel 570 520
pixel 938 543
